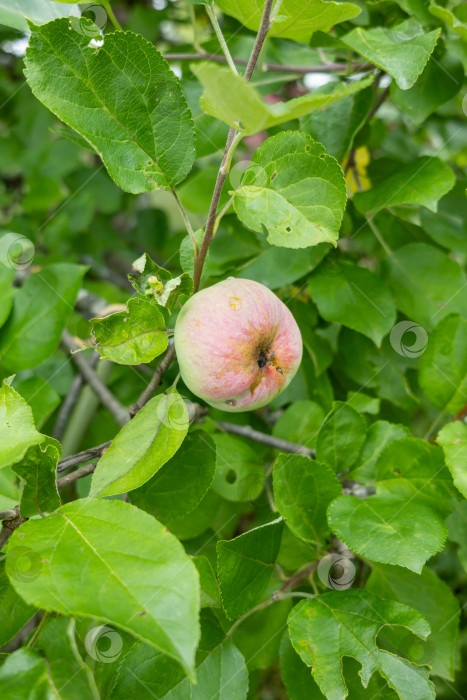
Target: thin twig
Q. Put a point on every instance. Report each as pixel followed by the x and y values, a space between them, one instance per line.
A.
pixel 220 37
pixel 106 397
pixel 186 221
pixel 231 139
pixel 302 70
pixel 77 474
pixel 83 456
pixel 257 436
pixel 154 383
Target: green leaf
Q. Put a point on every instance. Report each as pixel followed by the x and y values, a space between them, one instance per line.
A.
pixel 443 365
pixel 14 612
pixel 453 439
pixel 388 529
pixel 37 469
pixel 41 397
pixel 70 676
pixel 300 423
pixel 6 292
pixel 421 100
pixel 38 11
pixel 143 446
pixel 182 482
pixel 433 598
pixel 141 125
pixel 341 437
pixel 157 283
pixel 449 17
pixel 402 51
pixel 294 20
pixel 132 572
pixel 446 228
pixel 457 526
pixel 245 565
pixel 336 125
pixel 293 191
pixel 295 675
pixel 40 310
pixel 423 181
pixel 17 429
pixel 414 469
pixel 303 489
pixel 220 670
pixel 232 100
pixel 346 623
pixel 427 284
pixel 352 295
pixel 239 473
pixel 379 435
pixel 130 337
pixel 210 593
pixel 24 675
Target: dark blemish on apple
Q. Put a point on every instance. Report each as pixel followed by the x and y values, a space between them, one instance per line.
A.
pixel 279 370
pixel 288 229
pixel 262 360
pixel 231 402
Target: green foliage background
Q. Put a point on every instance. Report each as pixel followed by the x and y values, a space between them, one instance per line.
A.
pixel 316 547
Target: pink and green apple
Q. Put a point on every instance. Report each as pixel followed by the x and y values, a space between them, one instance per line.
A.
pixel 238 346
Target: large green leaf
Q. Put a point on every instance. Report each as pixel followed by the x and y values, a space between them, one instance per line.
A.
pixel 69 675
pixel 293 191
pixel 177 488
pixel 455 19
pixel 231 99
pixel 41 397
pixel 220 670
pixel 7 291
pixel 122 98
pixel 352 295
pixel 427 284
pixel 336 125
pixel 435 601
pixel 24 675
pixel 380 433
pixel 443 365
pixel 414 469
pixel 422 181
pixel 132 572
pixel 37 469
pixel 245 565
pixel 295 19
pixel 143 446
pixel 402 51
pixel 388 529
pixel 421 100
pixel 131 337
pixel 17 429
pixel 453 440
pixel 14 612
pixel 341 437
pixel 13 13
pixel 300 423
pixel 239 473
pixel 346 623
pixel 303 489
pixel 40 310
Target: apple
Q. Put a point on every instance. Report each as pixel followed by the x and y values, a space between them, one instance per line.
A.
pixel 237 344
